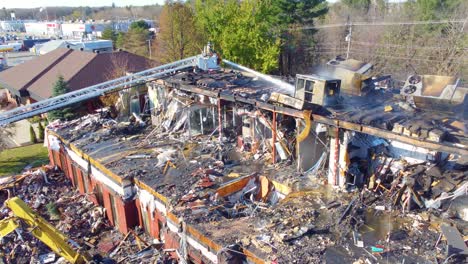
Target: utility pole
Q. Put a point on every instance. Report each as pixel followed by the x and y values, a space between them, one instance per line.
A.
pixel 348 39
pixel 149 47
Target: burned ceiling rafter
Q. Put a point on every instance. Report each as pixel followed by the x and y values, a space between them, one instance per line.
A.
pixel 424 143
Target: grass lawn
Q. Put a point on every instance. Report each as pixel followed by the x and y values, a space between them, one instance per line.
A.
pixel 12 161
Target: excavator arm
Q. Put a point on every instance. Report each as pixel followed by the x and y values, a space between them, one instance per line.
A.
pixel 7 226
pixel 41 229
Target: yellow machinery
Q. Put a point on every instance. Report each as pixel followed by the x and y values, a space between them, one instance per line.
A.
pixel 41 229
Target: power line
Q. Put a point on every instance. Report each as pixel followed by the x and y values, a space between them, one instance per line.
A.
pixel 406 58
pixel 368 52
pixel 428 22
pixel 397 56
pixel 399 46
pixel 370 44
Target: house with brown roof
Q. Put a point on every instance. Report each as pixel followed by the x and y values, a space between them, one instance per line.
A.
pixel 33 81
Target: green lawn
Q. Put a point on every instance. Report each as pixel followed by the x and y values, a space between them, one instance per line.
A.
pixel 12 161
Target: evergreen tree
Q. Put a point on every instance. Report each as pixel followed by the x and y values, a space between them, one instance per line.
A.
pixel 109 34
pixel 120 40
pixel 135 41
pixel 296 43
pixel 61 87
pixel 140 24
pixel 32 135
pixel 40 134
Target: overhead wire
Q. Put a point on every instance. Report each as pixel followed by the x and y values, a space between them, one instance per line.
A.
pixel 338 50
pixel 428 22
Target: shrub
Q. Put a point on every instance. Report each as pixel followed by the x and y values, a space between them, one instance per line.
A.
pixel 32 135
pixel 40 133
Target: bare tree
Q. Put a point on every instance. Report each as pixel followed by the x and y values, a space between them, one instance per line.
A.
pixel 119 66
pixel 5 133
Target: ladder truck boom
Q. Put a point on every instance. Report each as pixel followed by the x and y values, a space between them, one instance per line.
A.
pixel 97 90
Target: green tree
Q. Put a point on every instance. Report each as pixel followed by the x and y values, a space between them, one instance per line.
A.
pixel 240 31
pixel 135 41
pixel 302 12
pixel 40 129
pixel 361 5
pixel 296 43
pixel 32 135
pixel 76 14
pixel 139 24
pixel 61 87
pixel 120 40
pixel 178 38
pixel 109 34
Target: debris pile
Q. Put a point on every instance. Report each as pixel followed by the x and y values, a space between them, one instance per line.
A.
pixel 391 207
pixel 50 194
pixel 298 229
pixel 202 205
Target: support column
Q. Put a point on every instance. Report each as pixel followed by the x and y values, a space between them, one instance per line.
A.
pixel 343 161
pixel 273 146
pixel 334 156
pixel 220 121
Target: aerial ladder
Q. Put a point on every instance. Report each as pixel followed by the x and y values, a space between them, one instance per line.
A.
pixel 97 90
pixel 24 216
pixel 205 61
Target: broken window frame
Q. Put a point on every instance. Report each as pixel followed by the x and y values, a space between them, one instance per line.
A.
pixel 309 90
pixel 199 126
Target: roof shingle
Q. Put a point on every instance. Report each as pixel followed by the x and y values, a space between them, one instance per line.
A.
pixel 80 69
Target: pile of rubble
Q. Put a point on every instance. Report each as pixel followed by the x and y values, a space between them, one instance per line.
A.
pixel 395 209
pixel 298 229
pixel 50 194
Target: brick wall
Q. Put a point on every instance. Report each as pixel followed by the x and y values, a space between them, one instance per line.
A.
pixel 120 213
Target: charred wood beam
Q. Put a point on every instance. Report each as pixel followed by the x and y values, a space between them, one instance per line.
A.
pixel 437 146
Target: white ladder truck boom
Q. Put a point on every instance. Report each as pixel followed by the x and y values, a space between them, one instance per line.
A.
pixel 97 90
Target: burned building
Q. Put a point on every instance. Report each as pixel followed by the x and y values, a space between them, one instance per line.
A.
pixel 240 166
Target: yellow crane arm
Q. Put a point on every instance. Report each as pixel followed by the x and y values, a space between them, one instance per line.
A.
pixel 41 229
